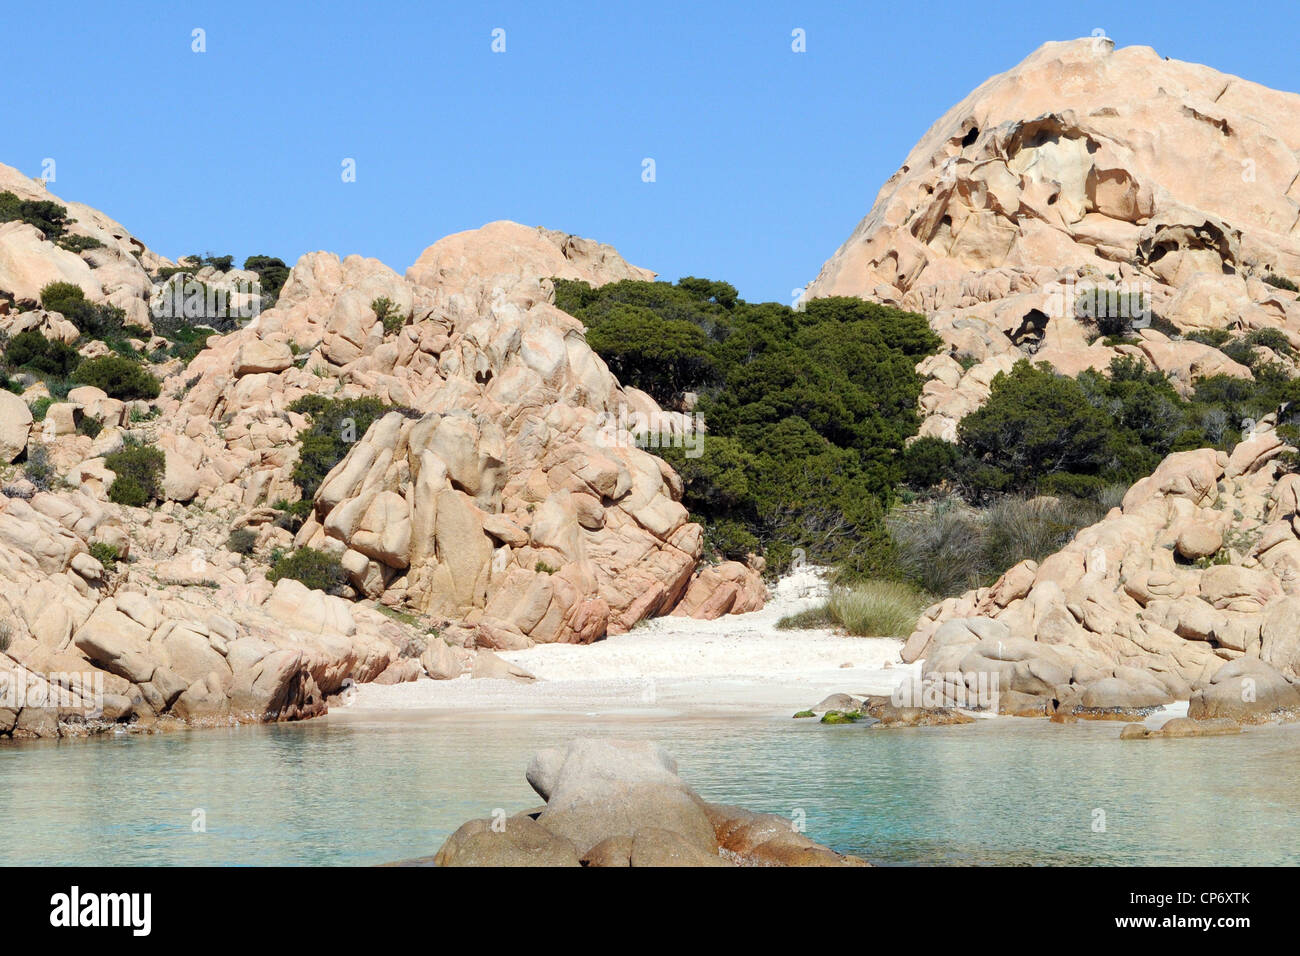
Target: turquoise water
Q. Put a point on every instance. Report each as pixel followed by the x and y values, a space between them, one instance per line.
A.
pixel 353 789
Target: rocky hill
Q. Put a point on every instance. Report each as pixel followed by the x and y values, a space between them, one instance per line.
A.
pixel 491 504
pixel 1168 188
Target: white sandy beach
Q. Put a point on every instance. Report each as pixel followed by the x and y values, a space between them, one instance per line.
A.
pixel 676 665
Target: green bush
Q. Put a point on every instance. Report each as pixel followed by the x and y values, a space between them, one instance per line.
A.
pixel 40 408
pixel 1269 338
pixel 241 541
pixel 1216 338
pixel 388 314
pixel 79 244
pixel 90 427
pixel 32 350
pixel 49 217
pixel 118 376
pixel 69 300
pixel 105 554
pixel 187 342
pixel 139 473
pixel 318 570
pixel 337 423
pixel 292 514
pixel 1281 282
pixel 928 461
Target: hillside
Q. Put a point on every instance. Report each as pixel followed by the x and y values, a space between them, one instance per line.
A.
pixel 1168 186
pixel 228 509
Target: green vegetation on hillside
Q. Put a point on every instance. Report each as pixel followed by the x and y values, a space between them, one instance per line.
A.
pixel 94 321
pixel 118 376
pixel 336 424
pixel 139 470
pixel 1045 433
pixel 807 409
pixel 49 217
pixel 318 570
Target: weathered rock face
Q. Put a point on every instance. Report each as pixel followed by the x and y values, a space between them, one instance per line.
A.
pixel 114 274
pixel 497 503
pixel 621 803
pixel 502 498
pixel 1187 590
pixel 1085 167
pixel 186 633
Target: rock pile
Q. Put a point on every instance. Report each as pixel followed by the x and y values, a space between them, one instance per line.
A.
pixel 1188 591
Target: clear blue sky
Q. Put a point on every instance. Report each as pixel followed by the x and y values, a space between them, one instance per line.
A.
pixel 766 159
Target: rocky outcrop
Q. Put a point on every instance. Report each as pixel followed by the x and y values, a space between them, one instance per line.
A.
pixel 621 803
pixel 116 273
pixel 1186 591
pixel 1085 168
pixel 1181 728
pixel 498 507
pixel 501 495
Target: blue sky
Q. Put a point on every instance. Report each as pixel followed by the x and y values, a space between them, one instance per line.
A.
pixel 765 159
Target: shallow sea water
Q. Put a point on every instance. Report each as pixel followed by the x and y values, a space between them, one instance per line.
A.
pixel 373 788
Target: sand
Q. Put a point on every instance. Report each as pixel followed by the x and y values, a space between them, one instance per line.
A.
pixel 674 665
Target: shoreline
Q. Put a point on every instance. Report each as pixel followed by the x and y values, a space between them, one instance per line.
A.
pixel 673 665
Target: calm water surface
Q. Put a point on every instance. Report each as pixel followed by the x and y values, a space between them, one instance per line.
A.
pixel 359 789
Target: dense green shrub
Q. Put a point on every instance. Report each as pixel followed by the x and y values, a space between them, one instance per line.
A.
pixel 187 342
pixel 292 514
pixel 106 554
pixel 1281 282
pixel 928 461
pixel 139 473
pixel 95 321
pixel 118 376
pixel 1035 423
pixel 32 350
pixel 79 244
pixel 807 409
pixel 336 423
pixel 1044 432
pixel 1216 338
pixel 272 274
pixel 41 407
pixel 49 217
pixel 318 570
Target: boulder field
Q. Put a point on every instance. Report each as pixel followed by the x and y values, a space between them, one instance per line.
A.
pixel 497 507
pixel 1086 168
pixel 1187 591
pixel 621 803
